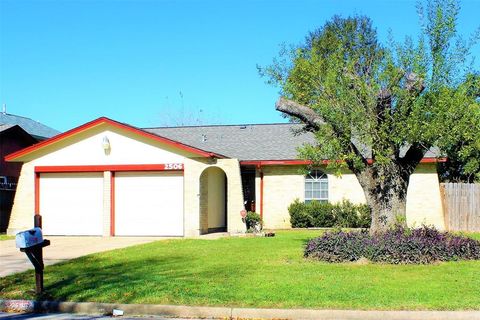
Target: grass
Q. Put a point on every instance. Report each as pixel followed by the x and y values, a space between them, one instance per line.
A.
pixel 5 237
pixel 251 272
pixel 472 235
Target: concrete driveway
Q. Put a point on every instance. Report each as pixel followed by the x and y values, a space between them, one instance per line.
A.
pixel 61 249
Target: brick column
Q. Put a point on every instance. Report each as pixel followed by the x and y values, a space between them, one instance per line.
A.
pixel 106 202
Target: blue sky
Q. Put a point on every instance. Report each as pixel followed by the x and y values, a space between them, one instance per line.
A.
pixel 153 63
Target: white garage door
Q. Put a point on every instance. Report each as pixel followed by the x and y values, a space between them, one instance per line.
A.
pixel 71 203
pixel 149 204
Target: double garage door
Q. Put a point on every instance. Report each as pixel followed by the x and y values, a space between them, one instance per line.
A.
pixel 144 203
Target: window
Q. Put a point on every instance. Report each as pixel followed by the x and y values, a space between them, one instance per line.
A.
pixel 316 186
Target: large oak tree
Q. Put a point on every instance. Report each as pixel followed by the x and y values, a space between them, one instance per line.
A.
pixel 378 109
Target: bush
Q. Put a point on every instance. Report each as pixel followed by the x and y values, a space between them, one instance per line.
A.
pixel 349 215
pixel 322 214
pixel 325 215
pixel 396 246
pixel 345 214
pixel 364 216
pixel 299 218
pixel 253 221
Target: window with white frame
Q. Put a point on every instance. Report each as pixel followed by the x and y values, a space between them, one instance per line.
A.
pixel 316 186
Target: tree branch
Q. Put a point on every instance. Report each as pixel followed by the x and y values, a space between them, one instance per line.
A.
pixel 313 121
pixel 303 113
pixel 413 156
pixel 414 84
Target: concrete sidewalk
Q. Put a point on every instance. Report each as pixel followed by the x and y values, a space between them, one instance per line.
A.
pixel 62 249
pixel 131 310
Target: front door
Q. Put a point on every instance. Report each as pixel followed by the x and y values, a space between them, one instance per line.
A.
pixel 248 183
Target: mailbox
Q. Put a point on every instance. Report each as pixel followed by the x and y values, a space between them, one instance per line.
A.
pixel 32 243
pixel 29 238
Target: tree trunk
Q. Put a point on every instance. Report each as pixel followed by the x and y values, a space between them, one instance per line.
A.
pixel 385 189
pixel 385 185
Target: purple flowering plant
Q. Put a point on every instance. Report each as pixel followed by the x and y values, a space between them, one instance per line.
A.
pixel 398 245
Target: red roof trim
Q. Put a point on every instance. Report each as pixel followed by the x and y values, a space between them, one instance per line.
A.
pixel 433 160
pixel 99 121
pixel 307 162
pixel 277 162
pixel 111 167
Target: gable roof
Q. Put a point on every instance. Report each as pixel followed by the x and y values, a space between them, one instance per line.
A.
pixel 251 142
pixel 277 141
pixel 5 127
pixel 34 128
pixel 16 156
pixel 15 132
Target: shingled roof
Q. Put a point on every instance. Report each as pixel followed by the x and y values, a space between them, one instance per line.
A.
pixel 34 128
pixel 244 142
pixel 277 141
pixel 5 127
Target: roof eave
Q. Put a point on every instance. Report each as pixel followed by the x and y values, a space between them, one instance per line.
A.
pixel 295 162
pixel 16 156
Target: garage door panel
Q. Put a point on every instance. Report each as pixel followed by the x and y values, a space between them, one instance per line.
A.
pixel 149 204
pixel 71 203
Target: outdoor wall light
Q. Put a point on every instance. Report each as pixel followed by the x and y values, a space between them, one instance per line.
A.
pixel 106 145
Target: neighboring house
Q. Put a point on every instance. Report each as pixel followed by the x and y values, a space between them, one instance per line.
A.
pixel 16 133
pixel 108 178
pixel 37 130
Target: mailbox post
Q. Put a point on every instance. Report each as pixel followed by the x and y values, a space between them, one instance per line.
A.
pixel 32 243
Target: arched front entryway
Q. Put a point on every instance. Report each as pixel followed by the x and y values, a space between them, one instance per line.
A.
pixel 213 200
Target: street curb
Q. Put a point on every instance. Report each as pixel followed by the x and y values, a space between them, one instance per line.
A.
pixel 229 313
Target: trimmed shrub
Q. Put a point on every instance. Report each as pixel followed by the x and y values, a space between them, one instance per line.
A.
pixel 345 214
pixel 253 221
pixel 396 246
pixel 299 218
pixel 349 215
pixel 322 214
pixel 325 215
pixel 364 216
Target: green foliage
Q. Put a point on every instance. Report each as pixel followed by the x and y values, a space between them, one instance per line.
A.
pixel 253 221
pixel 462 145
pixel 322 213
pixel 5 237
pixel 221 273
pixel 396 246
pixel 364 213
pixel 349 215
pixel 325 215
pixel 415 94
pixel 299 217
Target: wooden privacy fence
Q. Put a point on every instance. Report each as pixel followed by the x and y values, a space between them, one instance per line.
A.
pixel 461 203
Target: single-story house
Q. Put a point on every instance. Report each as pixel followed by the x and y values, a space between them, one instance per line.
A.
pixel 16 133
pixel 109 178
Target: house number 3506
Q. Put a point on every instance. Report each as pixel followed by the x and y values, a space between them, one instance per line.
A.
pixel 174 166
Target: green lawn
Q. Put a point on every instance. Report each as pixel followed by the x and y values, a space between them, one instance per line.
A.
pixel 251 272
pixel 470 234
pixel 5 237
